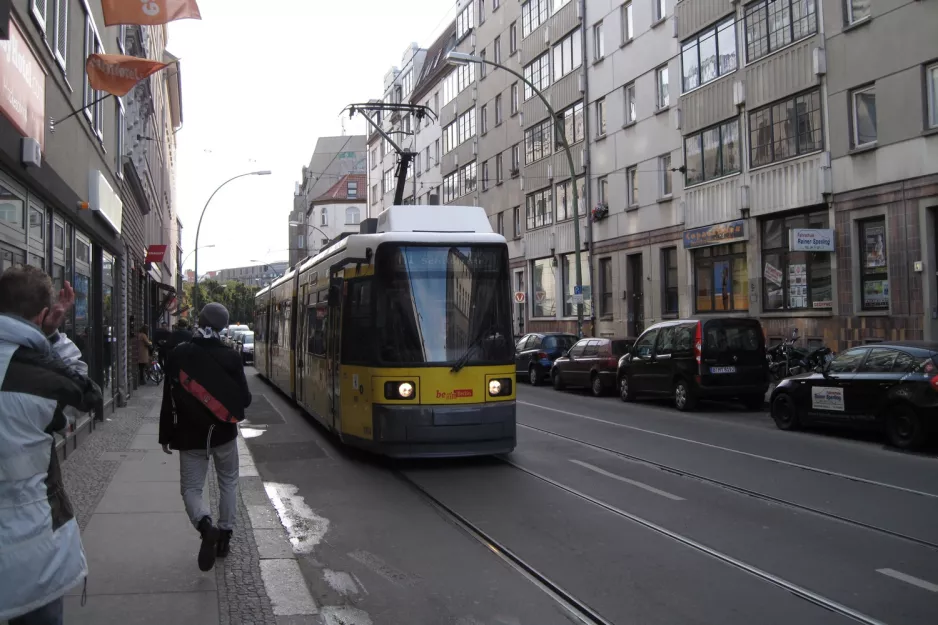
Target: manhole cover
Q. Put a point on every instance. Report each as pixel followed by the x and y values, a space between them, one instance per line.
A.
pixel 261 411
pixel 286 452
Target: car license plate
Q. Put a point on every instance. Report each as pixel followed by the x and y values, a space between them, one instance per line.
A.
pixel 722 369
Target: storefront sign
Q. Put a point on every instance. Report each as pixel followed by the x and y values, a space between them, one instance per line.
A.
pixel 716 234
pixel 155 253
pixel 103 200
pixel 23 82
pixel 811 239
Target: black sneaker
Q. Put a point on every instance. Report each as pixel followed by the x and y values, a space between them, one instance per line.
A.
pixel 209 541
pixel 224 543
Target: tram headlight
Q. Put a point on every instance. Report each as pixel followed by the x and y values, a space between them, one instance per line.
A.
pixel 495 387
pixel 405 390
pixel 400 390
pixel 499 387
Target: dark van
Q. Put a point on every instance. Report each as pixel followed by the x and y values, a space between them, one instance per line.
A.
pixel 693 359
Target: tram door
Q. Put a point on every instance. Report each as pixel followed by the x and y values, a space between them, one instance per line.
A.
pixel 336 299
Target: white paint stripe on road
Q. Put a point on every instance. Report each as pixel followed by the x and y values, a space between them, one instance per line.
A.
pixel 650 489
pixel 908 579
pixel 286 588
pixel 853 478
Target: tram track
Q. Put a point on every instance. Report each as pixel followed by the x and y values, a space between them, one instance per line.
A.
pixel 731 487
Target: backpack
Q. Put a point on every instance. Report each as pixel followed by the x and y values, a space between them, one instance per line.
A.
pixel 190 384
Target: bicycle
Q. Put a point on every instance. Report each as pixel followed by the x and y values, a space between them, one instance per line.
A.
pixel 154 372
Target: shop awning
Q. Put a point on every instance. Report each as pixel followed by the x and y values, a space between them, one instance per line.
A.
pixel 164 287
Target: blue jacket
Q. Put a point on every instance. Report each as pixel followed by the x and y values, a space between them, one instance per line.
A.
pixel 41 556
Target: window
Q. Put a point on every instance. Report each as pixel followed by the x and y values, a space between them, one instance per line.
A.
pixel 498 168
pixel 415 166
pixel 498 109
pixel 931 88
pixel 500 223
pixel 669 281
pixel 324 220
pixel 544 286
pixel 464 22
pixel 599 46
pixel 497 50
pixel 485 175
pixel 556 5
pixel 572 123
pixel 537 141
pixel 568 276
pixel 352 216
pixel 481 11
pixel 794 280
pixel 118 136
pixel 631 181
pixel 785 129
pixel 483 67
pixel 601 117
pixel 36 223
pixel 513 38
pixel 712 153
pixel 721 278
pixel 495 5
pixel 538 209
pixel 660 9
pixel 628 28
pixel 463 129
pixel 515 159
pixel 436 152
pixel 374 193
pixel 630 114
pixel 61 33
pixel 664 169
pixel 538 73
pixel 426 158
pixel 568 55
pixel 516 221
pixel 40 11
pixel 864 116
pixel 605 287
pixel 11 207
pixel 387 182
pixel 407 83
pixel 602 189
pixel 773 24
pixel 533 14
pixel 459 183
pixel 879 360
pixel 874 275
pixel 351 190
pixel 485 118
pixel 661 80
pixel 565 198
pixel 514 98
pixel 374 157
pixel 709 55
pixel 88 94
pixel 456 81
pixel 856 10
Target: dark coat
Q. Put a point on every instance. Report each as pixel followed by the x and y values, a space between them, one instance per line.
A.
pixel 220 371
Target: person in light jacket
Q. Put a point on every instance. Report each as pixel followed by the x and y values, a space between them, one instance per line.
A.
pixel 143 352
pixel 41 556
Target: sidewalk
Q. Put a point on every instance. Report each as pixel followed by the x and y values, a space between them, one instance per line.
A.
pixel 141 548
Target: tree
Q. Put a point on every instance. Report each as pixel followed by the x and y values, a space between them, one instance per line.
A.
pixel 235 296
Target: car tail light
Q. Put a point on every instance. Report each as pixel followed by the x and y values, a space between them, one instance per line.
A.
pixel 612 362
pixel 934 383
pixel 542 355
pixel 697 341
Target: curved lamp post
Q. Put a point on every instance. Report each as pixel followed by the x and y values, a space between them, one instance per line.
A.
pixel 195 285
pixel 191 253
pixel 461 58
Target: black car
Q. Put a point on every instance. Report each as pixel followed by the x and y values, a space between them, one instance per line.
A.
pixel 693 359
pixel 592 363
pixel 535 353
pixel 891 386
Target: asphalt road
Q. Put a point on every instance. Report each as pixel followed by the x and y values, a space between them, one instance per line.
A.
pixel 633 513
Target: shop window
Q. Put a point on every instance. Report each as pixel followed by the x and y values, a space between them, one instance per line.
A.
pixel 874 278
pixel 605 287
pixel 568 263
pixel 721 278
pixel 669 280
pixel 543 300
pixel 11 207
pixel 794 280
pixel 37 223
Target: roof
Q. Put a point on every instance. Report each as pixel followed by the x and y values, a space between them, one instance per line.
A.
pixel 339 191
pixel 435 64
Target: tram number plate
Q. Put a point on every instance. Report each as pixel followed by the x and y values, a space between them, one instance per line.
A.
pixel 722 369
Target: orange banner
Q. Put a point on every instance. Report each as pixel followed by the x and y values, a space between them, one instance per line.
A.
pixel 117 74
pixel 148 12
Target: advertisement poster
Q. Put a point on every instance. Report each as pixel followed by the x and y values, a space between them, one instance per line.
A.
pixel 722 284
pixel 772 274
pixel 827 398
pixel 797 285
pixel 875 246
pixel 876 294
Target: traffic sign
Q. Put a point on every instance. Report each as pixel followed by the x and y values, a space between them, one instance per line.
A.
pixel 577 297
pixel 578 290
pixel 539 296
pixel 519 297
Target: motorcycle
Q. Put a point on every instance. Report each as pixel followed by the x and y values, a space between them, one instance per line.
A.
pixel 786 360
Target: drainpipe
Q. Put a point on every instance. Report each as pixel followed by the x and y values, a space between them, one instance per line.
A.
pixel 587 187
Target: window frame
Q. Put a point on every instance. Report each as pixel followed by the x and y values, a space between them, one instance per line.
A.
pixel 699 136
pixel 659 10
pixel 631 186
pixel 662 90
pixel 485 175
pixel 666 287
pixel 538 219
pixel 531 11
pixel 627 22
pixel 499 168
pixel 465 21
pixel 599 42
pixel 854 129
pixel 571 112
pixel 666 184
pixel 850 20
pixel 931 95
pixel 546 131
pixel 605 288
pixel 867 276
pixel 515 98
pixel 601 117
pixel 754 8
pixel 512 38
pixel 819 130
pixel 631 106
pixel 812 261
pixel 538 73
pixel 726 254
pixel 727 24
pixel 497 49
pixel 498 109
pixel 516 222
pixel 562 189
pixel 571 43
pixel 60 48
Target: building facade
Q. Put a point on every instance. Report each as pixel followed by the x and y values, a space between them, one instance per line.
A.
pixel 250 275
pixel 336 212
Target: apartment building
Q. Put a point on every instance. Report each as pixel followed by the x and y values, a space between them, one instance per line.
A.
pixel 336 212
pixel 251 275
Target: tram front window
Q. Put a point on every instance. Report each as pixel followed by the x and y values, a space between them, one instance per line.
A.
pixel 443 305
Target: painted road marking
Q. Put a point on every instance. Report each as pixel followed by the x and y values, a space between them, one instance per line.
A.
pixel 908 579
pixel 853 478
pixel 650 489
pixel 286 588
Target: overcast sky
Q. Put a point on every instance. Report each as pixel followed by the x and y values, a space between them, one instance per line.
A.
pixel 261 81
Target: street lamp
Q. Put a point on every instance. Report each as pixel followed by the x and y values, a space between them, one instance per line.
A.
pixel 195 286
pixel 191 253
pixel 300 223
pixel 461 58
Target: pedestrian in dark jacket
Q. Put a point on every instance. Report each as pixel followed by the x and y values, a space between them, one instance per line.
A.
pixel 181 334
pixel 190 425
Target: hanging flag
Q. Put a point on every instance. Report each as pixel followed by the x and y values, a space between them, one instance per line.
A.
pixel 117 74
pixel 148 12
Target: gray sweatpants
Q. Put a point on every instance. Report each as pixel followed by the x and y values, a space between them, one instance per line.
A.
pixel 193 469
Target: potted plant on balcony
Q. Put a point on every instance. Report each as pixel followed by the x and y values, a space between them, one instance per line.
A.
pixel 600 211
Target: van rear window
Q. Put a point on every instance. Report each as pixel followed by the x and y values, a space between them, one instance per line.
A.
pixel 728 337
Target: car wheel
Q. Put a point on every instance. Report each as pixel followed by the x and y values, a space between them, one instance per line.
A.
pixel 753 402
pixel 533 376
pixel 905 428
pixel 557 380
pixel 784 413
pixel 596 385
pixel 625 390
pixel 684 398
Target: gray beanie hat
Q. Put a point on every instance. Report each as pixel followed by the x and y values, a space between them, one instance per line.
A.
pixel 214 315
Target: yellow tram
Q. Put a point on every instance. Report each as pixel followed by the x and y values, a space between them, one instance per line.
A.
pixel 398 339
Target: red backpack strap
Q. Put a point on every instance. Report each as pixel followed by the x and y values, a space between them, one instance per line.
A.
pixel 205 398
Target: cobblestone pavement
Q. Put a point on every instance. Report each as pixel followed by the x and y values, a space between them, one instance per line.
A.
pixel 242 599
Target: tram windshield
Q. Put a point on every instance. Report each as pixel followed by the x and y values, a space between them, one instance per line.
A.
pixel 443 305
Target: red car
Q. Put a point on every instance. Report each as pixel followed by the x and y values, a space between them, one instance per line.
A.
pixel 590 363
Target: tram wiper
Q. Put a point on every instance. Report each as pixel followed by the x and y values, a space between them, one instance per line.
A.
pixel 461 362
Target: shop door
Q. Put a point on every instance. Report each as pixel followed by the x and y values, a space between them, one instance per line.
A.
pixel 519 306
pixel 636 295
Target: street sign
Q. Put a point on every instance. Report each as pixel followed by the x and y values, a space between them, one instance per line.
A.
pixel 577 295
pixel 519 297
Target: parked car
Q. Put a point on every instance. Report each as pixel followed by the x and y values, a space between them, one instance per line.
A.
pixel 591 363
pixel 693 359
pixel 535 354
pixel 245 345
pixel 886 386
pixel 228 338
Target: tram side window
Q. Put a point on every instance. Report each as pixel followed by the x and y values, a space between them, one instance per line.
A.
pixel 316 324
pixel 357 329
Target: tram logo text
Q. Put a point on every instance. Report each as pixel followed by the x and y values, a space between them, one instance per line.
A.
pixel 459 393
